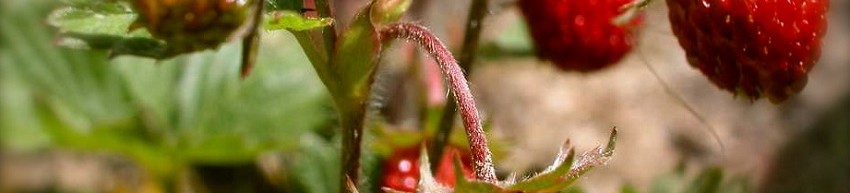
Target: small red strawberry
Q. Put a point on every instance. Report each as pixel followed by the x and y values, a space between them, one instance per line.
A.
pixel 401 169
pixel 580 35
pixel 753 47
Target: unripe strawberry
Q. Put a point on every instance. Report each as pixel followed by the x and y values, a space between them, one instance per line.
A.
pixel 401 169
pixel 190 25
pixel 581 35
pixel 757 48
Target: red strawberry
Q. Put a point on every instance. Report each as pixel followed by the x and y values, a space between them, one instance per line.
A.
pixel 580 35
pixel 752 47
pixel 401 170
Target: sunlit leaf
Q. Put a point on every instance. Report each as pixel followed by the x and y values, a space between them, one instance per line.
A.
pixel 289 20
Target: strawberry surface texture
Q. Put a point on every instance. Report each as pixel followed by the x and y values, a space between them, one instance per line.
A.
pixel 753 48
pixel 581 35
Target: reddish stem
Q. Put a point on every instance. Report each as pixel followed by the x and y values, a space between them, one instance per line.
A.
pixel 481 156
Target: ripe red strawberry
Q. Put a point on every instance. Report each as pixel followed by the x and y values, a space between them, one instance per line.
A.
pixel 753 47
pixel 401 170
pixel 580 35
pixel 190 25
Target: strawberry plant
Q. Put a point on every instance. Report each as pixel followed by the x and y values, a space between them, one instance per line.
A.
pixel 191 89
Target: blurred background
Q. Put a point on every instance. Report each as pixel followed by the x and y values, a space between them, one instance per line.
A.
pixel 80 121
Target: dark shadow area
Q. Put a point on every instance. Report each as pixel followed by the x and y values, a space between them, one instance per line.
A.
pixel 816 160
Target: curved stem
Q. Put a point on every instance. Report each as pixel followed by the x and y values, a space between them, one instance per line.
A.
pixel 477 11
pixel 481 156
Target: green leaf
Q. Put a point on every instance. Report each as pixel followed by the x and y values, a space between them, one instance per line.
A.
pixel 316 167
pixel 104 25
pixel 628 188
pixel 186 110
pixel 355 59
pixel 708 181
pixel 293 21
pixel 223 119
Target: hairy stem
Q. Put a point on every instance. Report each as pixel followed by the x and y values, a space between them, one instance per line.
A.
pixel 477 11
pixel 251 41
pixel 481 156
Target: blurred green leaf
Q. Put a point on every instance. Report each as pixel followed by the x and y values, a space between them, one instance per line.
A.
pixel 190 109
pixel 709 180
pixel 628 188
pixel 513 41
pixel 573 189
pixel 317 165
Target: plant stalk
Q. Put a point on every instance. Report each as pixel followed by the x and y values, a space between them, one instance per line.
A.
pixel 351 118
pixel 481 155
pixel 328 32
pixel 477 11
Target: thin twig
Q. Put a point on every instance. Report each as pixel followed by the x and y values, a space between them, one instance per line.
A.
pixel 481 155
pixel 477 11
pixel 681 101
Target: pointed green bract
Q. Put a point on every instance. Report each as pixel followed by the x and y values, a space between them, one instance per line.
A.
pixel 550 181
